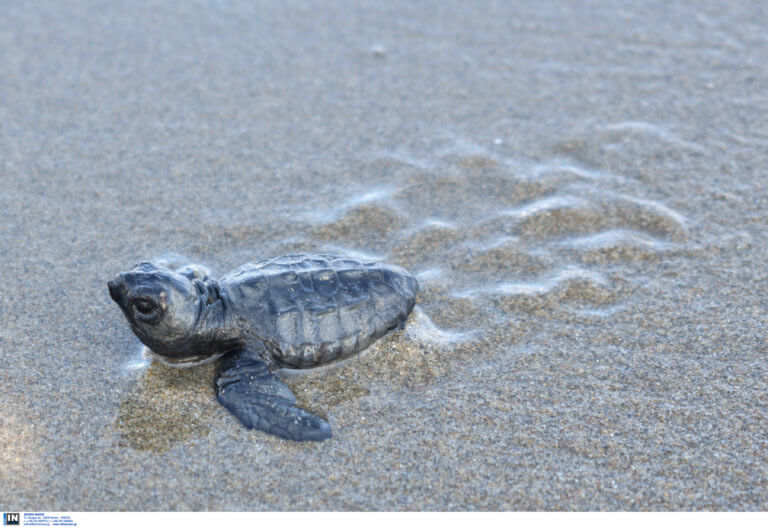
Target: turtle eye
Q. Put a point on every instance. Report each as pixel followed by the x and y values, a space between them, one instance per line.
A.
pixel 146 309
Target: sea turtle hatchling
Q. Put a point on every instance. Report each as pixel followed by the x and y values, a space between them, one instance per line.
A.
pixel 295 311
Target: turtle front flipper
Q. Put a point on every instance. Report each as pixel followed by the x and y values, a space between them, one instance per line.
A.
pixel 246 387
pixel 195 271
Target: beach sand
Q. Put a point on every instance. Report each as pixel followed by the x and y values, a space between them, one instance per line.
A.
pixel 580 188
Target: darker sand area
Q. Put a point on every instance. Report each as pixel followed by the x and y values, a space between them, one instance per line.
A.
pixel 580 188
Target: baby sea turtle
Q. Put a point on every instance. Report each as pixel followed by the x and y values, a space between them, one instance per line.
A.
pixel 295 311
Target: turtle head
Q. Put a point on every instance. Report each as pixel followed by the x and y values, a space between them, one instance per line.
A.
pixel 161 306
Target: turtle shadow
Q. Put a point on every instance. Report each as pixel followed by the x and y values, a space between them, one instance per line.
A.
pixel 169 405
pixel 166 406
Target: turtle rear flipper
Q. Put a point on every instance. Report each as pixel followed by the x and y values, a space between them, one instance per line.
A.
pixel 246 387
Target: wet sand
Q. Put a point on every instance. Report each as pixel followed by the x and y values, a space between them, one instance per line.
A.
pixel 580 188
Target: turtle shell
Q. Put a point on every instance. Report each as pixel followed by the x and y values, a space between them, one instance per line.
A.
pixel 314 309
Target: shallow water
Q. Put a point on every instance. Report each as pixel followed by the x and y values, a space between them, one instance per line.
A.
pixel 580 189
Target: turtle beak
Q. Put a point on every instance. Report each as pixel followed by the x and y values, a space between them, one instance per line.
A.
pixel 115 291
